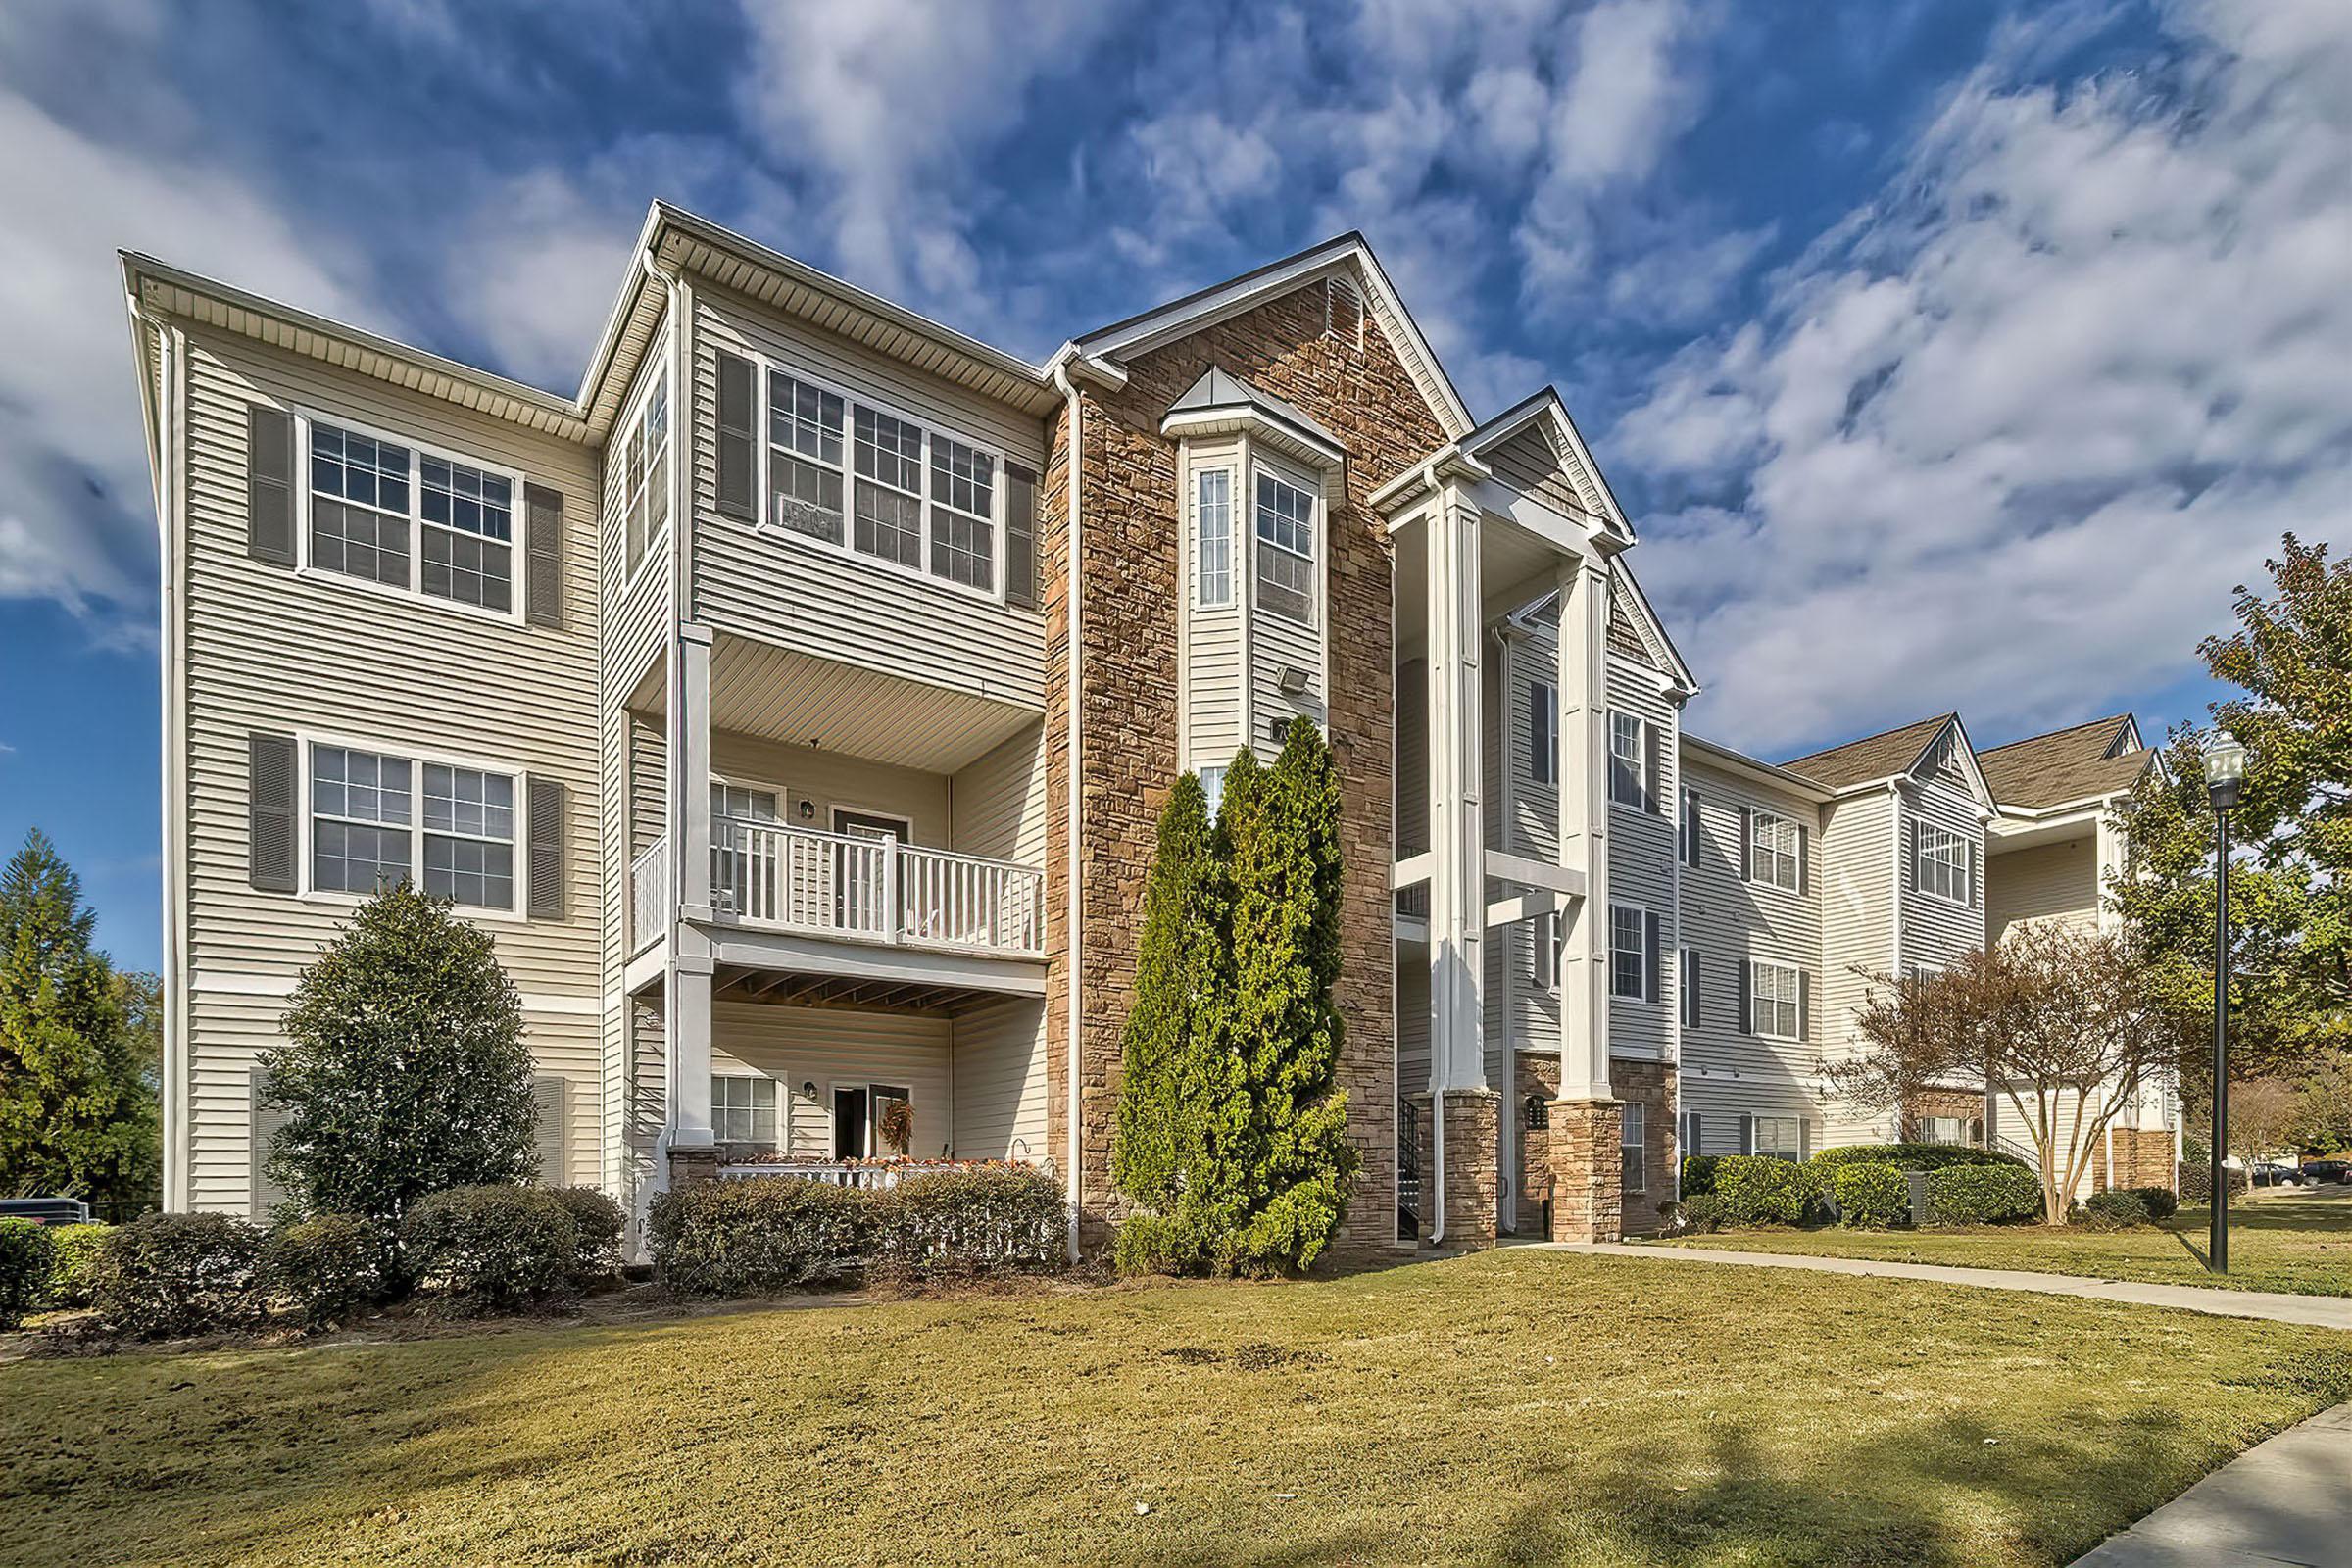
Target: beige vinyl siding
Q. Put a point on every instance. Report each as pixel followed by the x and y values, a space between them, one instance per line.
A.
pixel 1642 866
pixel 1727 1073
pixel 996 805
pixel 835 1045
pixel 2049 882
pixel 1216 713
pixel 1937 930
pixel 1412 758
pixel 1861 876
pixel 267 648
pixel 829 780
pixel 1000 1071
pixel 797 592
pixel 1412 1020
pixel 1527 462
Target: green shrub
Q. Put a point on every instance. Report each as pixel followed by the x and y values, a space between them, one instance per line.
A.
pixel 2116 1209
pixel 1918 1157
pixel 1698 1214
pixel 1759 1190
pixel 69 1271
pixel 327 1266
pixel 2196 1184
pixel 1982 1194
pixel 492 1247
pixel 2163 1202
pixel 1698 1174
pixel 985 1220
pixel 600 1222
pixel 168 1274
pixel 755 1235
pixel 27 1251
pixel 1871 1192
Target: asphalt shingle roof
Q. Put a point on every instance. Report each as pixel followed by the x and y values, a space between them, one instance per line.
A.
pixel 1879 756
pixel 2065 766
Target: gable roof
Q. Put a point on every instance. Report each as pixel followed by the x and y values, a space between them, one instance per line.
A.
pixel 1546 411
pixel 2081 762
pixel 1346 255
pixel 1873 757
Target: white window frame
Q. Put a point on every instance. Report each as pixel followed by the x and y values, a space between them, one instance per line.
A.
pixel 1644 787
pixel 308 741
pixel 1792 978
pixel 1641 967
pixel 762 365
pixel 1312 487
pixel 776 1138
pixel 1212 785
pixel 1924 1129
pixel 518 520
pixel 1791 1151
pixel 1543 732
pixel 1953 871
pixel 617 458
pixel 1759 824
pixel 1631 1148
pixel 1201 596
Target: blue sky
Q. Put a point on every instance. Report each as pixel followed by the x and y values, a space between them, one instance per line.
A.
pixel 1946 355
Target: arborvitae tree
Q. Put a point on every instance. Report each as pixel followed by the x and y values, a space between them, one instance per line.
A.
pixel 76 1115
pixel 404 1071
pixel 1178 947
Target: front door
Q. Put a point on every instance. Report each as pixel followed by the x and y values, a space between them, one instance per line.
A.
pixel 849 1124
pixel 856 884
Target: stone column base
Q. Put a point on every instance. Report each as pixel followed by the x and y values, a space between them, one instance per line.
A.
pixel 1588 1162
pixel 1473 1190
pixel 692 1165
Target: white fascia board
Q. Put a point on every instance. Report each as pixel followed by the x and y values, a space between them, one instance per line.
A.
pixel 1425 478
pixel 1653 630
pixel 1259 426
pixel 1717 755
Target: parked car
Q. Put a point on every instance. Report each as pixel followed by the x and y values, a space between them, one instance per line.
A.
pixel 46 1211
pixel 2266 1174
pixel 2328 1170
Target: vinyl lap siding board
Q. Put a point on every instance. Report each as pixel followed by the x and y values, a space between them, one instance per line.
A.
pixel 273 650
pixel 1861 882
pixel 1641 846
pixel 764 582
pixel 833 1047
pixel 1215 714
pixel 1728 1073
pixel 2049 882
pixel 1937 930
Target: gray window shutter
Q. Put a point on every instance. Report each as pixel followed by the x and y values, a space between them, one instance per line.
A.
pixel 1976 875
pixel 1649 960
pixel 548 1129
pixel 1020 536
pixel 1747 1022
pixel 1747 1133
pixel 735 435
pixel 543 563
pixel 264 1121
pixel 269 485
pixel 1804 1004
pixel 273 791
pixel 1747 845
pixel 1693 1126
pixel 1804 860
pixel 1911 853
pixel 547 827
pixel 1653 789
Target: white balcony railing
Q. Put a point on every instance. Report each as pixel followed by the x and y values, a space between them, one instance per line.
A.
pixel 873 890
pixel 649 891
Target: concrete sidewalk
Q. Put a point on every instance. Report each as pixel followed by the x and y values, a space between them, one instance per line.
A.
pixel 2311 1311
pixel 2287 1501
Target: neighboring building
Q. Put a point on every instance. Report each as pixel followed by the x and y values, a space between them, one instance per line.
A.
pixel 796 700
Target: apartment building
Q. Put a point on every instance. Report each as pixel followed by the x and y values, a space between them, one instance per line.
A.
pixel 794 703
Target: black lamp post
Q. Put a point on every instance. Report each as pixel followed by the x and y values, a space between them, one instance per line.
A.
pixel 2224 776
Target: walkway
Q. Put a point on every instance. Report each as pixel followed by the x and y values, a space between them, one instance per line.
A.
pixel 2313 1311
pixel 2284 1501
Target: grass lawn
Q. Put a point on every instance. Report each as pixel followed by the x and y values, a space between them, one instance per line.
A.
pixel 2302 1246
pixel 1517 1406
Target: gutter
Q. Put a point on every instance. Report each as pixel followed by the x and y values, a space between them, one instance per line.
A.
pixel 1074 578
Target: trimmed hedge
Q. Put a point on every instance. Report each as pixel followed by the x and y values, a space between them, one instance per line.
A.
pixel 1699 1214
pixel 600 1222
pixel 1871 1192
pixel 27 1251
pixel 71 1271
pixel 1698 1174
pixel 1918 1157
pixel 755 1235
pixel 1759 1190
pixel 1982 1194
pixel 991 1219
pixel 2131 1205
pixel 170 1274
pixel 2196 1183
pixel 327 1267
pixel 492 1247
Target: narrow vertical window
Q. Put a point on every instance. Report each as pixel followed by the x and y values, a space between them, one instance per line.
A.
pixel 1627 761
pixel 1631 1163
pixel 1629 951
pixel 1543 732
pixel 1213 519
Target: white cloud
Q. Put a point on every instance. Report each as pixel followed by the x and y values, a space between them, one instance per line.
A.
pixel 2010 434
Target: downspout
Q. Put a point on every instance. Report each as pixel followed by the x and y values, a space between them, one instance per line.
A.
pixel 159 402
pixel 1074 574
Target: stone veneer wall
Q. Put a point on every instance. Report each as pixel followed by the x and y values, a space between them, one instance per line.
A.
pixel 2143 1157
pixel 1653 1085
pixel 1964 1104
pixel 1129 625
pixel 1650 1083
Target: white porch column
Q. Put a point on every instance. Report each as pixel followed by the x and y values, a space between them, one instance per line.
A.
pixel 688 970
pixel 1457 900
pixel 1583 654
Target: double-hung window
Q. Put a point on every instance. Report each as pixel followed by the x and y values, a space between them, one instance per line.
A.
pixel 736 812
pixel 889 488
pixel 1212 528
pixel 803 457
pixel 1543 732
pixel 1943 862
pixel 1941 1129
pixel 419 521
pixel 1629 951
pixel 1779 1137
pixel 643 472
pixel 743 1109
pixel 1630 1172
pixel 1285 548
pixel 963 510
pixel 378 819
pixel 1773 849
pixel 1776 1001
pixel 1629 762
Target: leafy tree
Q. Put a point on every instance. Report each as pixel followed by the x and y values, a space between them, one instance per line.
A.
pixel 2263 1117
pixel 77 1114
pixel 2290 883
pixel 404 1071
pixel 2323 1109
pixel 2054 1018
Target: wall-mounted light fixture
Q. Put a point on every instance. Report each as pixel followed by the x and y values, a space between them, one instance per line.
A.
pixel 807 809
pixel 1293 681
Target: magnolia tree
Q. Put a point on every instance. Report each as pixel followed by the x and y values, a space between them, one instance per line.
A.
pixel 2055 1019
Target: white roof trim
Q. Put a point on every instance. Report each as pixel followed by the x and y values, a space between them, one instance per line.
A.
pixel 1260 425
pixel 1653 630
pixel 1584 472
